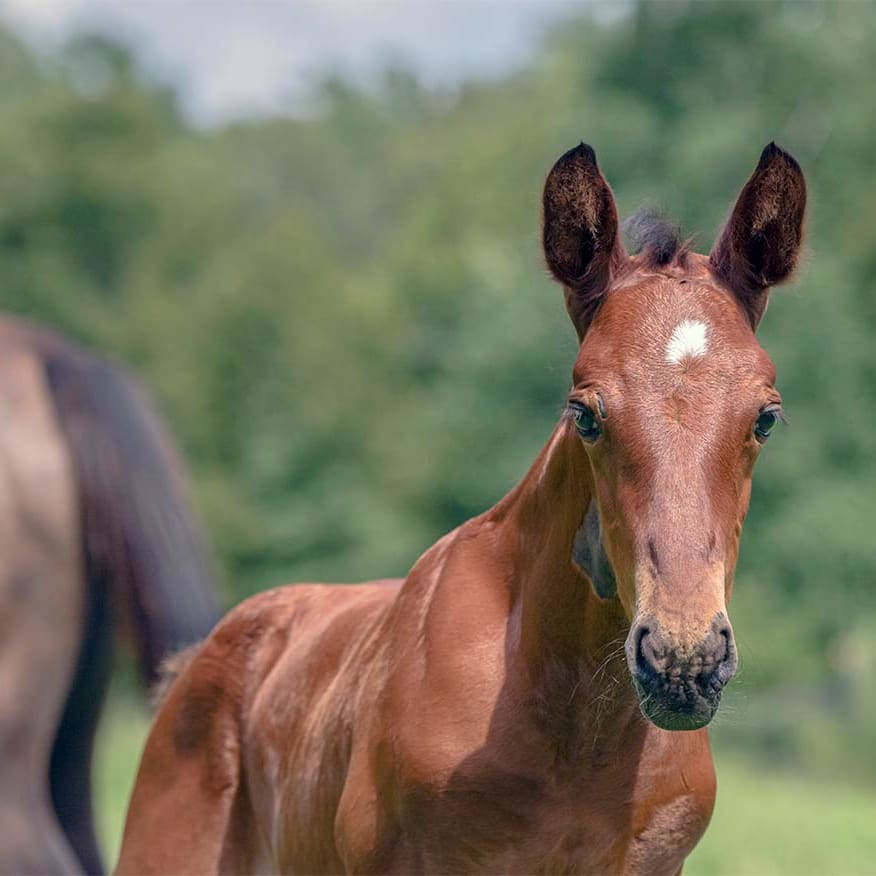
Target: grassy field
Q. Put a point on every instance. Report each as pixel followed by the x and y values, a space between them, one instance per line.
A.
pixel 765 823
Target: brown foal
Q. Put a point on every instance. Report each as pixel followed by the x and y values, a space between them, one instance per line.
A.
pixel 510 706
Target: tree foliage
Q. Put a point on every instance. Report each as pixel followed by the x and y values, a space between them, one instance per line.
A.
pixel 347 320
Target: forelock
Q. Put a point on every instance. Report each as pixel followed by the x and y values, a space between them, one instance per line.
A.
pixel 656 238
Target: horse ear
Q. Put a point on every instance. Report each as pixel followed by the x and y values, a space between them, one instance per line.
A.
pixel 580 238
pixel 760 244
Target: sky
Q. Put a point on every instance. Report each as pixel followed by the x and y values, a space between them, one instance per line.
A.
pixel 243 58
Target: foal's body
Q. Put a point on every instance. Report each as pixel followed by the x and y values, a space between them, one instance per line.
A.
pixel 480 717
pixel 364 746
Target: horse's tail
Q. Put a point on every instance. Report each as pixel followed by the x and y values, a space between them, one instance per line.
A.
pixel 139 536
pixel 145 561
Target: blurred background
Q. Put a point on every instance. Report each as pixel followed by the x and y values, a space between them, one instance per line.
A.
pixel 312 230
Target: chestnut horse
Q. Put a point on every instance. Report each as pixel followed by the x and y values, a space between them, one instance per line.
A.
pixel 514 705
pixel 95 531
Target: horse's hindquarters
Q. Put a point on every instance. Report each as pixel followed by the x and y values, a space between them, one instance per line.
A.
pixel 41 612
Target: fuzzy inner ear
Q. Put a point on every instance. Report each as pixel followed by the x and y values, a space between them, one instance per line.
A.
pixel 580 232
pixel 760 244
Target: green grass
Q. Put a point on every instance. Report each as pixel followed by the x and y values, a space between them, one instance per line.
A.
pixel 765 823
pixel 774 823
pixel 119 746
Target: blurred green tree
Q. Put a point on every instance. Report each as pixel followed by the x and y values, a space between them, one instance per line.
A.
pixel 347 319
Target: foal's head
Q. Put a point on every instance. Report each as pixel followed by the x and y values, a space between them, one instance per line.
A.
pixel 673 399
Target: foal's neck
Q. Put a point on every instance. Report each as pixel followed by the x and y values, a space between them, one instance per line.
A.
pixel 570 642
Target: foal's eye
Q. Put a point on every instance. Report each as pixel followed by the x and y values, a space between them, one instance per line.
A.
pixel 585 422
pixel 763 425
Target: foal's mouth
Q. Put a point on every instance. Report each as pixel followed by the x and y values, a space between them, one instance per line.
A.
pixel 681 705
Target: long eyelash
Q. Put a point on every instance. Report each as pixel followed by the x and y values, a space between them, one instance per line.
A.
pixel 779 411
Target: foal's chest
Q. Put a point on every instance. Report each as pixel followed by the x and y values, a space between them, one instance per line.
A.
pixel 636 815
pixel 605 836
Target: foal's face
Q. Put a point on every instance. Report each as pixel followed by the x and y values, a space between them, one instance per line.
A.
pixel 683 400
pixel 673 399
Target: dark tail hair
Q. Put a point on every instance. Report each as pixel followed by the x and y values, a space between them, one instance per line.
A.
pixel 138 529
pixel 145 560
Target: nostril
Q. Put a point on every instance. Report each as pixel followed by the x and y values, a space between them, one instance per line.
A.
pixel 650 656
pixel 635 656
pixel 640 633
pixel 725 655
pixel 723 648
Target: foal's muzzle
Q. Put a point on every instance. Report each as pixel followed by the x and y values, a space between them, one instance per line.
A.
pixel 680 688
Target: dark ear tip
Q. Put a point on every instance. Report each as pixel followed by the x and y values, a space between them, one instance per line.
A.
pixel 587 152
pixel 769 151
pixel 772 153
pixel 582 152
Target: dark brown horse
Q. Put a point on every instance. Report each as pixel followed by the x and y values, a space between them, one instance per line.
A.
pixel 514 705
pixel 95 531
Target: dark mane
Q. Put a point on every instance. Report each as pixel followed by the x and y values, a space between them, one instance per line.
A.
pixel 651 234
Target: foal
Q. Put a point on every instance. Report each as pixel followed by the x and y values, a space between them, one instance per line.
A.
pixel 507 708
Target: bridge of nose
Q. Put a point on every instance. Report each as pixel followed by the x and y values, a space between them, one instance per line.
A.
pixel 680 600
